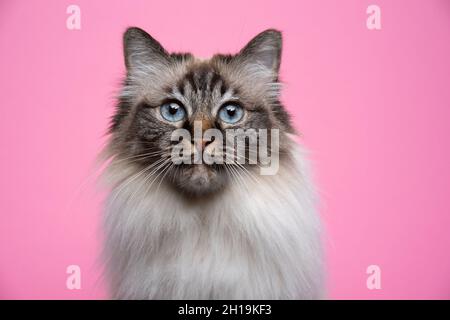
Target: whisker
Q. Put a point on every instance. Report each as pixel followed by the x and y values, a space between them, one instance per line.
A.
pixel 159 164
pixel 135 176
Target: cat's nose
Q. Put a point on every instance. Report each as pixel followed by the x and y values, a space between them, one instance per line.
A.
pixel 201 144
pixel 203 124
pixel 204 143
pixel 206 124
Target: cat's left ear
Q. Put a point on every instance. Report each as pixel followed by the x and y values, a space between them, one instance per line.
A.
pixel 264 50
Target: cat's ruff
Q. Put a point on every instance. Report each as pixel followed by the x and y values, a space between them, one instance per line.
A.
pixel 258 241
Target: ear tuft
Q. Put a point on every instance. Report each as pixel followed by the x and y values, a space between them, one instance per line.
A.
pixel 140 49
pixel 264 49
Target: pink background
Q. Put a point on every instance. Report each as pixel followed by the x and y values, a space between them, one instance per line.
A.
pixel 373 106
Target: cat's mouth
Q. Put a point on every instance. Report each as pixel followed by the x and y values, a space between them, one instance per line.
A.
pixel 197 179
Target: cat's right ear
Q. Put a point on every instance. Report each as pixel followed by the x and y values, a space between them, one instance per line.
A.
pixel 141 49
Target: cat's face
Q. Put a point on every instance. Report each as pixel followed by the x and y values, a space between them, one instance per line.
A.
pixel 165 92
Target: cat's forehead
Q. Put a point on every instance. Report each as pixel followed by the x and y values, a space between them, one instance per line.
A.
pixel 201 85
pixel 203 75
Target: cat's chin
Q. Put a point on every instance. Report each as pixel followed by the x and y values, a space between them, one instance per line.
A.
pixel 199 179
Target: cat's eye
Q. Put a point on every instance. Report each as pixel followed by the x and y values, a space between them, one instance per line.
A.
pixel 172 111
pixel 231 113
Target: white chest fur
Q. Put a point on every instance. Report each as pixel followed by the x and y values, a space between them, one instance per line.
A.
pixel 257 240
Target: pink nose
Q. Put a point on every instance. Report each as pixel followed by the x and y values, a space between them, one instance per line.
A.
pixel 201 144
pixel 206 124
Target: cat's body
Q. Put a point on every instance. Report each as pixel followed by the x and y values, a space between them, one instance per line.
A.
pixel 265 246
pixel 206 233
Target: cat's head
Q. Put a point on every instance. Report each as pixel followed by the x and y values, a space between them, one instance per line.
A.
pixel 164 92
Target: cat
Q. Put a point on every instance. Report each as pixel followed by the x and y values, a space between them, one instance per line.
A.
pixel 206 231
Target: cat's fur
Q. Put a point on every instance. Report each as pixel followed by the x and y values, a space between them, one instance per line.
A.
pixel 199 231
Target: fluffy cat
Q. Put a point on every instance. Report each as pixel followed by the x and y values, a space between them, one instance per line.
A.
pixel 200 231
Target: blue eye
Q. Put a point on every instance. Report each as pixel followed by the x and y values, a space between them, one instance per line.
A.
pixel 231 113
pixel 172 112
